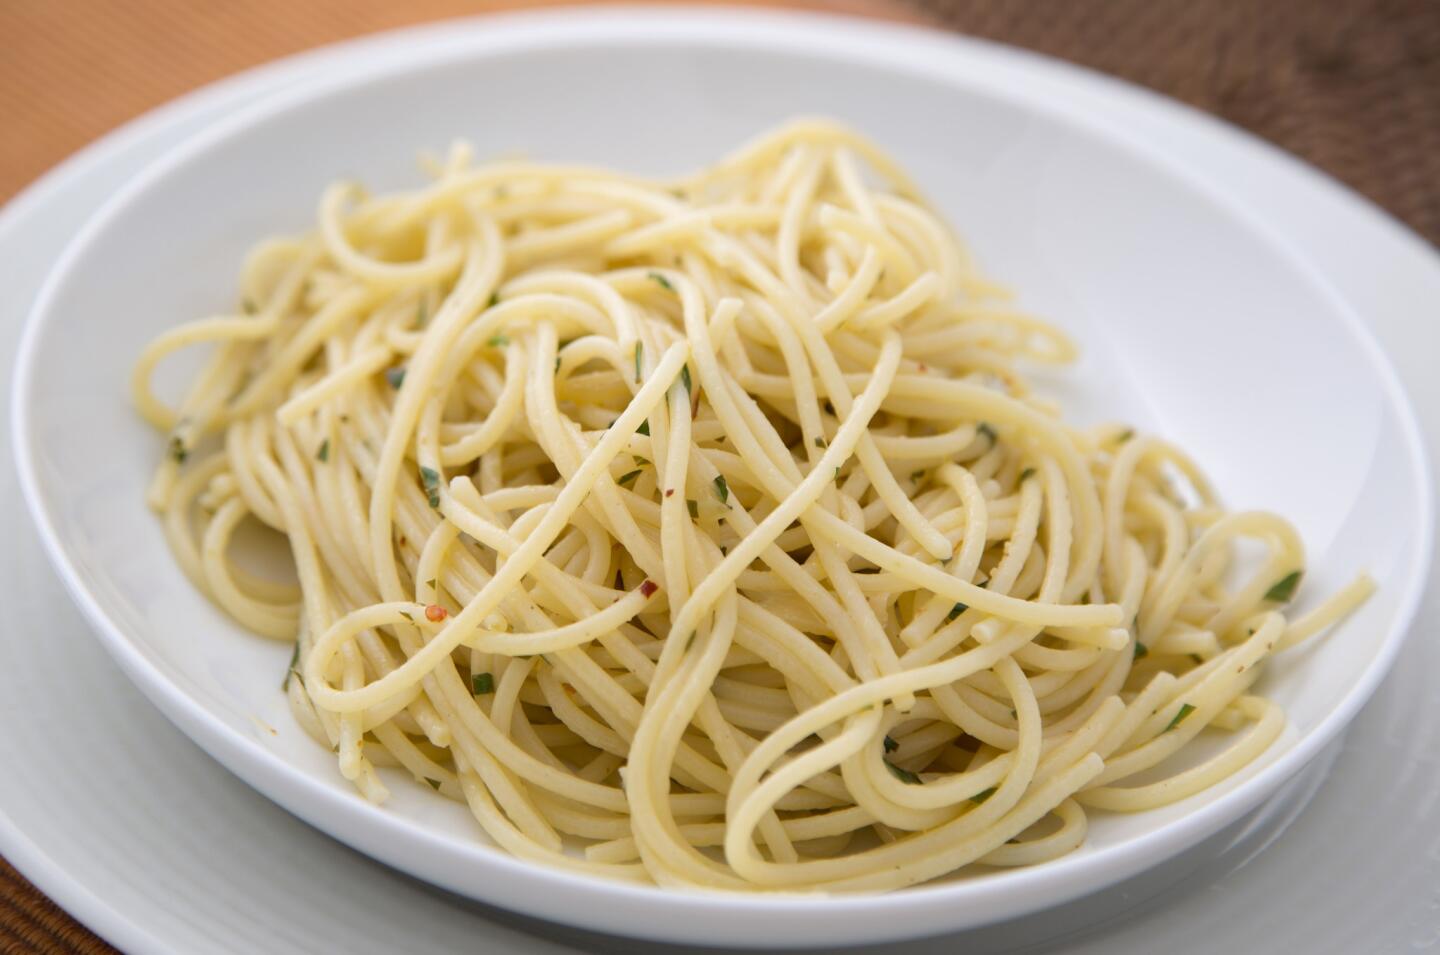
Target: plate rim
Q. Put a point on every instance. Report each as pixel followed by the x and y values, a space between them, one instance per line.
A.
pixel 582 27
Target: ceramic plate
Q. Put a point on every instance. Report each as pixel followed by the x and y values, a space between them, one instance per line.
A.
pixel 916 43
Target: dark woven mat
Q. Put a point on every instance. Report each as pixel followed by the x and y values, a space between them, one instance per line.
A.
pixel 1353 86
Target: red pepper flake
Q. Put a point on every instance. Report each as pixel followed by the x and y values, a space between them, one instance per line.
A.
pixel 669 491
pixel 648 588
pixel 436 613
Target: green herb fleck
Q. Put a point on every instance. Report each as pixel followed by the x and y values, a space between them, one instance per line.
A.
pixel 890 745
pixel 664 282
pixel 956 611
pixel 685 377
pixel 291 669
pixel 557 364
pixel 434 783
pixel 1027 473
pixel 430 583
pixel 820 443
pixel 627 479
pixel 917 476
pixel 177 450
pixel 430 478
pixel 694 507
pixel 904 775
pixel 248 307
pixel 837 474
pixel 482 683
pixel 639 356
pixel 1125 435
pixel 1185 710
pixel 722 490
pixel 982 795
pixel 396 377
pixel 323 454
pixel 1141 651
pixel 989 432
pixel 1284 588
pixel 497 341
pixel 644 428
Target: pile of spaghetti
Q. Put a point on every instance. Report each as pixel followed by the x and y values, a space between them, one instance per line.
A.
pixel 703 532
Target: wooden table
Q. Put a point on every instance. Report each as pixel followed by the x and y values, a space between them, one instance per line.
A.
pixel 1351 85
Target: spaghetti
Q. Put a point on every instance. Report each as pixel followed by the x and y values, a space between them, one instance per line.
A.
pixel 703 532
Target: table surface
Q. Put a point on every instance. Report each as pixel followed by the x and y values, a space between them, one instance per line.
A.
pixel 1352 86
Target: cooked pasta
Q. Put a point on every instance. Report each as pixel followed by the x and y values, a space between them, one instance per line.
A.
pixel 704 531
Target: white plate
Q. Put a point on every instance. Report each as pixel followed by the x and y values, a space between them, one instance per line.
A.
pixel 1195 320
pixel 1004 62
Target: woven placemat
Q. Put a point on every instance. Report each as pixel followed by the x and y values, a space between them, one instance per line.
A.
pixel 1353 86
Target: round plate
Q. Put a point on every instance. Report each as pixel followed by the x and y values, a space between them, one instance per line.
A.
pixel 491 30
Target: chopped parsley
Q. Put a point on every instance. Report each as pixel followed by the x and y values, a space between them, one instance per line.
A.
pixel 1141 651
pixel 685 377
pixel 323 454
pixel 694 507
pixel 396 377
pixel 722 490
pixel 1185 710
pixel 982 795
pixel 177 450
pixel 820 443
pixel 291 669
pixel 664 282
pixel 1027 473
pixel 904 775
pixel 1284 588
pixel 430 478
pixel 627 479
pixel 956 611
pixel 482 683
pixel 497 341
pixel 494 300
pixel 644 428
pixel 1125 435
pixel 434 783
pixel 890 745
pixel 639 357
pixel 989 432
